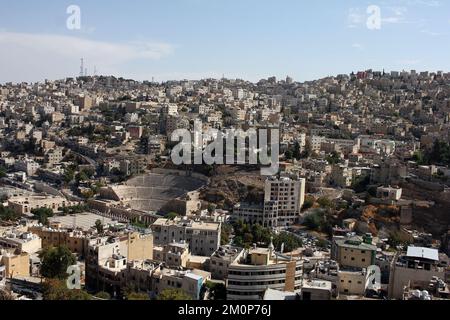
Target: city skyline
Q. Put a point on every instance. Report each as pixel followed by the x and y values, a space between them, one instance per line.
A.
pixel 204 39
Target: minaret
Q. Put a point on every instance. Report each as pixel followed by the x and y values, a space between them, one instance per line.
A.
pixel 271 247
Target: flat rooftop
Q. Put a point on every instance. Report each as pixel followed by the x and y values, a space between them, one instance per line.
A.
pixel 83 221
pixel 423 253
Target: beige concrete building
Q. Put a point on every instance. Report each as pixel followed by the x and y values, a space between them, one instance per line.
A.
pixel 75 240
pixel 203 238
pixel 352 282
pixel 221 259
pixel 25 204
pixel 16 265
pixel 22 241
pixel 140 246
pixel 354 252
pixel 389 193
pixel 414 270
pixel 316 290
pixel 174 255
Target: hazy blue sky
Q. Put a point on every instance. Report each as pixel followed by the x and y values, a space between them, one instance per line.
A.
pixel 249 39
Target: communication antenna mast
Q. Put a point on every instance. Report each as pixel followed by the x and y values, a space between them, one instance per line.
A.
pixel 82 68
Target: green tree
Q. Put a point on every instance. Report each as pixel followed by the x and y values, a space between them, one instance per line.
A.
pixel 173 294
pixel 82 177
pixel 211 208
pixel 137 296
pixel 297 153
pixel 2 172
pixel 56 289
pixel 313 220
pixel 309 202
pixel 325 202
pixel 87 194
pixel 290 241
pixel 99 226
pixel 360 184
pixel 171 215
pixel 333 158
pixel 7 214
pixel 55 261
pixel 217 291
pixel 225 233
pixel 69 175
pixel 42 214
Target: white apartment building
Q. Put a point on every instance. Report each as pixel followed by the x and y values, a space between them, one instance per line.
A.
pixel 27 165
pixel 260 269
pixel 389 193
pixel 203 238
pixel 285 196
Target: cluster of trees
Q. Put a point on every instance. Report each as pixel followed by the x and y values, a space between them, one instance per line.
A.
pixel 2 172
pixel 246 235
pixel 217 291
pixel 56 289
pixel 139 224
pixel 309 203
pixel 94 133
pixel 225 234
pixel 360 184
pixel 74 209
pixel 295 152
pixel 171 215
pixel 174 295
pixel 7 214
pixel 55 261
pixel 42 214
pixel 439 154
pixel 318 221
pixel 333 158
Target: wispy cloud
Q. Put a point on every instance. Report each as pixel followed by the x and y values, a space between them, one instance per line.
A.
pixel 427 3
pixel 409 62
pixel 355 17
pixel 431 33
pixel 56 55
pixel 358 46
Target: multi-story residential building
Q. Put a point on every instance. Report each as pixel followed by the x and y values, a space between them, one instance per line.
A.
pixel 21 241
pixel 389 193
pixel 415 269
pixel 259 269
pixel 203 238
pixel 75 240
pixel 285 196
pixel 174 254
pixel 53 157
pixel 354 252
pixel 189 281
pixel 15 264
pixel 222 259
pixel 27 165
